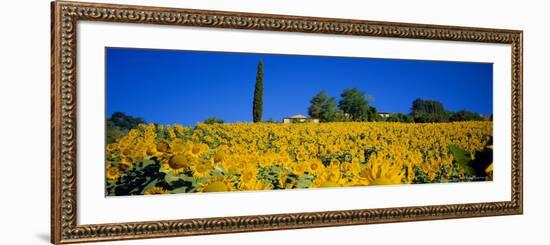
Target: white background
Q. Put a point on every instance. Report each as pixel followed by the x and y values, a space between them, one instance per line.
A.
pixel 94 208
pixel 24 99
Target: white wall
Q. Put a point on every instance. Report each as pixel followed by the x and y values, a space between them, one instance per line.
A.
pixel 25 107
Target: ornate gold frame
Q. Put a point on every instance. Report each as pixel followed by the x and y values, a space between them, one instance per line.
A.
pixel 65 16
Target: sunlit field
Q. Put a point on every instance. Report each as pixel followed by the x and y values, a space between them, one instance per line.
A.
pixel 156 159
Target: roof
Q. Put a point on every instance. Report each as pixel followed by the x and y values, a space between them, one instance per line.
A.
pixel 298 116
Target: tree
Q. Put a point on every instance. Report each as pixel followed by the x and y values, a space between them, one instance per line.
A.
pixel 373 114
pixel 399 117
pixel 124 121
pixel 323 107
pixel 340 116
pixel 428 111
pixel 212 120
pixel 464 115
pixel 119 124
pixel 355 104
pixel 257 104
pixel 112 132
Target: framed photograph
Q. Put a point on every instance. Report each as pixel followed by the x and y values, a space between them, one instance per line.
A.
pixel 175 122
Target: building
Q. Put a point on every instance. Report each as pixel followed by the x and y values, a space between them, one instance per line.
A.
pixel 384 114
pixel 299 119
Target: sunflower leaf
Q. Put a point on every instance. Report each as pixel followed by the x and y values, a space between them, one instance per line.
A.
pixel 150 185
pixel 304 181
pixel 463 159
pixel 171 177
pixel 148 162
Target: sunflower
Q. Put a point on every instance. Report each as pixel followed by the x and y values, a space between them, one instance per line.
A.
pixel 380 172
pixel 321 182
pixel 112 146
pixel 178 146
pixel 220 156
pixel 229 164
pixel 112 173
pixel 160 127
pixel 299 168
pixel 301 155
pixel 197 149
pixel 315 166
pixel 351 168
pixel 152 151
pixel 179 129
pixel 357 153
pixel 178 163
pixel 489 171
pixel 217 184
pixel 162 146
pixel 329 184
pixel 268 160
pixel 284 159
pixel 150 134
pixel 359 182
pixel 255 185
pixel 248 175
pixel 126 151
pixel 170 132
pixel 155 191
pixel 282 179
pixel 332 173
pixel 133 133
pixel 125 163
pixel 202 168
pixel 334 162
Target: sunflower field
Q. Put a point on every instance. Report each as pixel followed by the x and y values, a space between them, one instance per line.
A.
pixel 157 159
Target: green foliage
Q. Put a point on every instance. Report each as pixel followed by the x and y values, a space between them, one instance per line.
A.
pixel 212 120
pixel 355 104
pixel 420 177
pixel 425 111
pixel 368 151
pixel 473 165
pixel 400 117
pixel 257 104
pixel 304 181
pixel 270 175
pixel 135 180
pixel 464 115
pixel 463 159
pixel 340 116
pixel 118 125
pixel 323 107
pixel 112 132
pixel 466 167
pixel 148 174
pixel 177 183
pixel 373 115
pixel 444 175
pixel 125 122
pixel 482 159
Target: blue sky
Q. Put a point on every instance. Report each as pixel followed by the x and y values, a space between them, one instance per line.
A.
pixel 169 86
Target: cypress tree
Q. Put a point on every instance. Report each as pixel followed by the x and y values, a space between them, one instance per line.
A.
pixel 258 103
